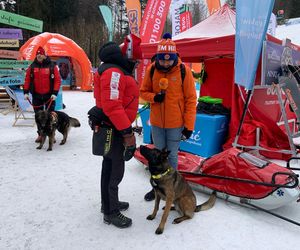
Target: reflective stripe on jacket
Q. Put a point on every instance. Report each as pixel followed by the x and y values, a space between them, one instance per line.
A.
pixel 117 95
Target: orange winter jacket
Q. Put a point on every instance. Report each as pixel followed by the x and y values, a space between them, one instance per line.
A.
pixel 179 106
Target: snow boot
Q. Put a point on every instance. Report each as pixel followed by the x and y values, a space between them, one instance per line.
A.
pixel 123 206
pixel 119 220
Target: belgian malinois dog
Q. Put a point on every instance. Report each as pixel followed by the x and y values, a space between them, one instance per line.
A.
pixel 170 186
pixel 47 123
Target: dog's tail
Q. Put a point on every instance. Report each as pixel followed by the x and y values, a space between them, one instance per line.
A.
pixel 208 204
pixel 74 122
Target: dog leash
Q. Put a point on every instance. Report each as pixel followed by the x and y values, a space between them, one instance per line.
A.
pixel 50 100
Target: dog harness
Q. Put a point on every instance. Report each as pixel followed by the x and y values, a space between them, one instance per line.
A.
pixel 158 176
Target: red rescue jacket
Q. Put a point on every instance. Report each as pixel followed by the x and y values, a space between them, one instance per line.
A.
pixel 117 95
pixel 41 79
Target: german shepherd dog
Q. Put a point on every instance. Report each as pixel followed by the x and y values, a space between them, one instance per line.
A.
pixel 47 123
pixel 170 186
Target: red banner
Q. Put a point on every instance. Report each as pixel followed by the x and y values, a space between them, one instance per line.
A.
pixel 154 20
pixel 185 21
pixel 152 27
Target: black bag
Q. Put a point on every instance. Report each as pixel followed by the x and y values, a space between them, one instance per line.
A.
pixel 102 140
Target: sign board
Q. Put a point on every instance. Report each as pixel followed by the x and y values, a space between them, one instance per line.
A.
pixel 13 64
pixel 273 56
pixel 21 21
pixel 9 54
pixel 11 72
pixel 8 81
pixel 9 43
pixel 11 34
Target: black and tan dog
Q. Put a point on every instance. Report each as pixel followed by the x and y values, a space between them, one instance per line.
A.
pixel 47 123
pixel 170 186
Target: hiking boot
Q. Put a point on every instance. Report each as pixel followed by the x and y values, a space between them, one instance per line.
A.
pixel 38 139
pixel 150 196
pixel 119 220
pixel 123 206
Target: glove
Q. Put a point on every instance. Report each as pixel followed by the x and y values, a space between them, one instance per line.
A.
pixel 159 97
pixel 129 140
pixel 186 134
pixel 130 146
pixel 53 97
pixel 26 97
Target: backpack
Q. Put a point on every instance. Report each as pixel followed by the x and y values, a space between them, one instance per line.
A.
pixel 182 71
pixel 51 68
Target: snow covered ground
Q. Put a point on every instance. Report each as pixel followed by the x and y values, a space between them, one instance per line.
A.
pixel 51 200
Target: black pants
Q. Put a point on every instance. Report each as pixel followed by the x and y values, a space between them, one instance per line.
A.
pixel 111 176
pixel 41 102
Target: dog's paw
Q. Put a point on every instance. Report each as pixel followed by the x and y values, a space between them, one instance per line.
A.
pixel 175 221
pixel 159 230
pixel 39 147
pixel 49 149
pixel 62 142
pixel 150 217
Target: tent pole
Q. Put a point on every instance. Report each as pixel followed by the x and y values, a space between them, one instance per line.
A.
pixel 243 118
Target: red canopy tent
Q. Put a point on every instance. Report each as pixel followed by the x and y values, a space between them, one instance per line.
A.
pixel 212 41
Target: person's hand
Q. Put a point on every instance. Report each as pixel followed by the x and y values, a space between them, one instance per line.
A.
pixel 129 140
pixel 130 146
pixel 53 97
pixel 159 97
pixel 186 134
pixel 26 97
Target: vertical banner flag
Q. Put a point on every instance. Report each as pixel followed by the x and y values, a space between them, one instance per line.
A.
pixel 272 25
pixel 153 22
pixel 154 19
pixel 134 16
pixel 107 16
pixel 213 5
pixel 175 13
pixel 252 19
pixel 185 18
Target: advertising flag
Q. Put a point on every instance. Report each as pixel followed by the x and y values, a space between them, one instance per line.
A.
pixel 107 16
pixel 252 19
pixel 134 16
pixel 175 13
pixel 185 18
pixel 213 5
pixel 152 26
pixel 153 20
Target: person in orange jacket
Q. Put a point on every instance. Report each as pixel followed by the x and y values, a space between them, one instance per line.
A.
pixel 172 101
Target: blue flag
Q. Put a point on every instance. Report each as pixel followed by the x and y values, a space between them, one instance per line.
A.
pixel 252 19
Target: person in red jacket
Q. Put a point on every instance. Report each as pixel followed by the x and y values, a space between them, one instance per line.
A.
pixel 117 95
pixel 42 83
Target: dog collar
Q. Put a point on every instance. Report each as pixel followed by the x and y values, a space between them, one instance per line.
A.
pixel 158 176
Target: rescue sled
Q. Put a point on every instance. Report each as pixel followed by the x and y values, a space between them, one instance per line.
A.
pixel 239 177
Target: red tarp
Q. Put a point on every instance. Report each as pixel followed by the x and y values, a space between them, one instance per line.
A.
pixel 229 164
pixel 212 41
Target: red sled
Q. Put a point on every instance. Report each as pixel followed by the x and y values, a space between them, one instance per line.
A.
pixel 239 177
